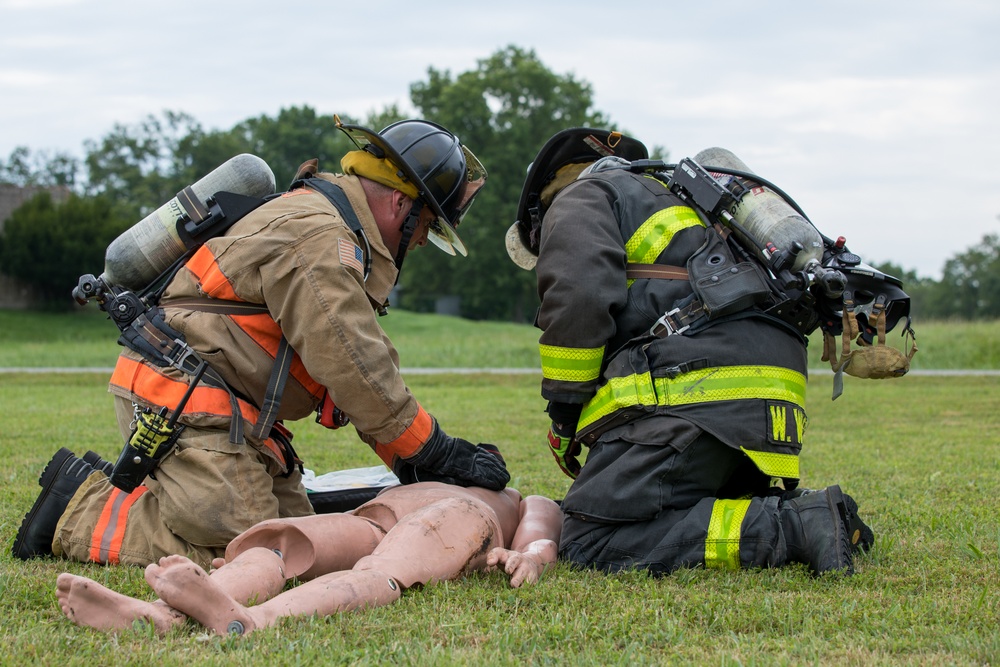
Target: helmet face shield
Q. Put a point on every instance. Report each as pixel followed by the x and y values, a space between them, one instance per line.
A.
pixel 442 232
pixel 874 291
pixel 871 292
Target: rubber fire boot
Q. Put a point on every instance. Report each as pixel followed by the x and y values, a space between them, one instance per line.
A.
pixel 815 530
pixel 59 481
pixel 861 536
pixel 95 460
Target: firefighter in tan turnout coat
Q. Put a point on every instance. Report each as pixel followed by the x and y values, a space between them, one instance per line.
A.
pixel 321 259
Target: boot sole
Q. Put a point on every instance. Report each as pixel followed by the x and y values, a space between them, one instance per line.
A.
pixel 46 480
pixel 862 537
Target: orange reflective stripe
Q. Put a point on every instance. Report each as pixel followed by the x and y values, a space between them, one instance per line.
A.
pixel 109 533
pixel 261 328
pixel 125 373
pixel 153 387
pixel 213 282
pixel 150 385
pixel 265 332
pixel 410 441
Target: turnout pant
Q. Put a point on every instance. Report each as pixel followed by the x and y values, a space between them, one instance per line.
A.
pixel 717 509
pixel 204 493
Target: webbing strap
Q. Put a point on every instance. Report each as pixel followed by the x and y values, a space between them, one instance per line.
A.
pixel 219 306
pixel 213 379
pixel 192 204
pixel 657 271
pixel 678 320
pixel 279 372
pixel 275 389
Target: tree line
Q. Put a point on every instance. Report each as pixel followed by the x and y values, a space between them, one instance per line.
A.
pixel 504 109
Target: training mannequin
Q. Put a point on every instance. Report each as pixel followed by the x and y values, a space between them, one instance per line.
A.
pixel 407 536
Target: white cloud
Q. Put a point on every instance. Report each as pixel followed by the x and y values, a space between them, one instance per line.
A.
pixel 876 116
pixel 25 78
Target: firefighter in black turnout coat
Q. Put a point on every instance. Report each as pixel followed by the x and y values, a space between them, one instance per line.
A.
pixel 694 423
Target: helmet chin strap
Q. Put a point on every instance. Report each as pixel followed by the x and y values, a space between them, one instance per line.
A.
pixel 408 227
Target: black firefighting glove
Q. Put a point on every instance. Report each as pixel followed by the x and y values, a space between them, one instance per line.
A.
pixel 451 460
pixel 561 437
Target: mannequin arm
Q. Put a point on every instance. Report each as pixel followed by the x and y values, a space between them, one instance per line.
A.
pixel 535 544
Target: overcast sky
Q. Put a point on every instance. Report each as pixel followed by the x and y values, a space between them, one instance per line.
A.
pixel 879 117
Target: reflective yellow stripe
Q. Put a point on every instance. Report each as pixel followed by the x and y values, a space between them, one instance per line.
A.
pixel 775 465
pixel 722 544
pixel 730 383
pixel 654 235
pixel 571 364
pixel 723 383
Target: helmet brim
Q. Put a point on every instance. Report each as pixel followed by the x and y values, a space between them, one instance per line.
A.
pixel 442 232
pixel 518 250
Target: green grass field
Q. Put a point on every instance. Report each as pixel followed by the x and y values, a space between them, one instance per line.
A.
pixel 921 454
pixel 86 338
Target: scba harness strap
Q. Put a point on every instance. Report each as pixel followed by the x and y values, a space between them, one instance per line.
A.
pixel 150 336
pixel 163 346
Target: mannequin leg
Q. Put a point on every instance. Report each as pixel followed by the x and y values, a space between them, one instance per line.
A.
pixel 251 579
pixel 312 546
pixel 440 541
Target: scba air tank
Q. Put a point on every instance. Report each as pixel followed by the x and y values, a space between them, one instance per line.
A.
pixel 764 214
pixel 149 247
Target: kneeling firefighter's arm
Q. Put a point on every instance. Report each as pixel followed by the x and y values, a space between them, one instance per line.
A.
pixel 445 458
pixel 581 281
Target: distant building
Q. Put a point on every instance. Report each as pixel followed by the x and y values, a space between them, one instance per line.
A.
pixel 14 294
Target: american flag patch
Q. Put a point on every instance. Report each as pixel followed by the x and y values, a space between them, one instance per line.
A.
pixel 350 254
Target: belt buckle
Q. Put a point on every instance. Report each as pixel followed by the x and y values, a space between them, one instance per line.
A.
pixel 664 326
pixel 179 354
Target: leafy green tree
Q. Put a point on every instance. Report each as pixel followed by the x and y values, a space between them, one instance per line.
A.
pixel 200 152
pixel 24 167
pixel 922 291
pixel 139 167
pixel 971 282
pixel 297 134
pixel 50 246
pixel 142 166
pixel 503 110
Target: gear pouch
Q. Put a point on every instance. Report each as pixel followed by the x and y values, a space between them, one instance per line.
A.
pixel 873 362
pixel 723 286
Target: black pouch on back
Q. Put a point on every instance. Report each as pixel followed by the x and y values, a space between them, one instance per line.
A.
pixel 724 286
